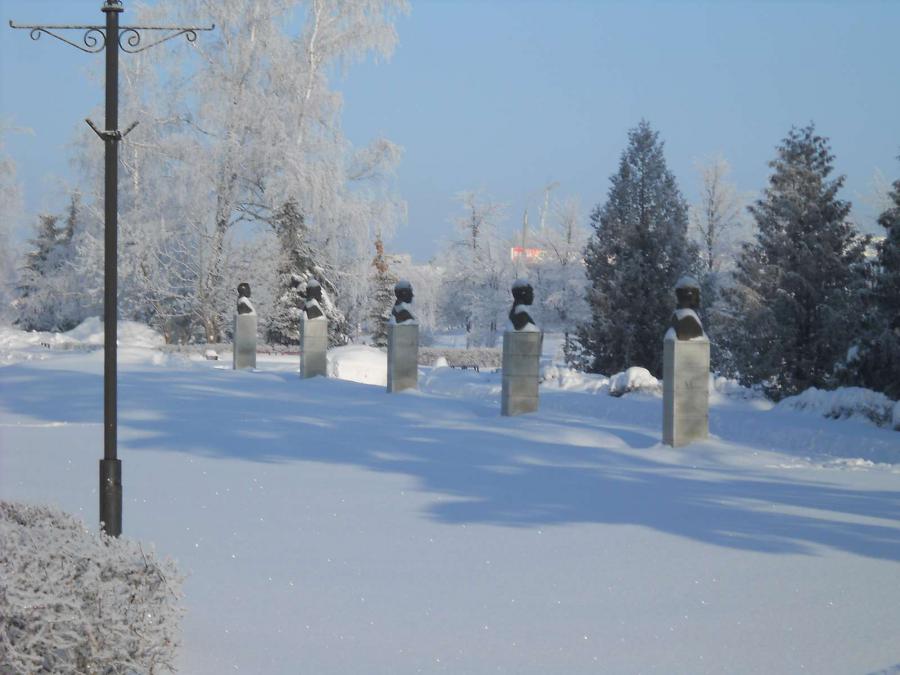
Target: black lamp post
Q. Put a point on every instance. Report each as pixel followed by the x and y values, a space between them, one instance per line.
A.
pixel 109 38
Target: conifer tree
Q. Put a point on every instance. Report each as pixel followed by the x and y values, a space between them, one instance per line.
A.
pixel 298 264
pixel 283 326
pixel 875 363
pixel 72 214
pixel 637 252
pixel 38 302
pixel 382 295
pixel 796 283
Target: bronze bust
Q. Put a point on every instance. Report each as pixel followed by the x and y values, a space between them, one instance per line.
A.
pixel 244 306
pixel 401 311
pixel 313 298
pixel 685 320
pixel 523 296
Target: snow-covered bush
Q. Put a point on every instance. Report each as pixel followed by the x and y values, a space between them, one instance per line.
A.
pixel 559 376
pixel 482 357
pixel 732 388
pixel 72 601
pixel 634 379
pixel 844 403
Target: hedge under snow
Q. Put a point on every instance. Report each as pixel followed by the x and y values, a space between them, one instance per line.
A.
pixel 74 601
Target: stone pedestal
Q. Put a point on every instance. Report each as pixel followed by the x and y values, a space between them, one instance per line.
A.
pixel 244 341
pixel 403 357
pixel 521 366
pixel 313 347
pixel 685 390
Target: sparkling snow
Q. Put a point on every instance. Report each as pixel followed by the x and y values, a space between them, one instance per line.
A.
pixel 329 527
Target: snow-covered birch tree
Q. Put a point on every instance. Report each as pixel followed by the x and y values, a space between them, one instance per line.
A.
pixel 11 212
pixel 478 270
pixel 231 131
pixel 717 218
pixel 560 281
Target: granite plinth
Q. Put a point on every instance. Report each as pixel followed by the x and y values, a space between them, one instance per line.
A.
pixel 313 347
pixel 403 357
pixel 685 390
pixel 521 371
pixel 244 341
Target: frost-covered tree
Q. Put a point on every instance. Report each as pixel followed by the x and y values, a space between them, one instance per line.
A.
pixel 50 293
pixel 874 360
pixel 793 304
pixel 40 303
pixel 230 132
pixel 559 277
pixel 298 263
pixel 79 302
pixel 295 261
pixel 638 250
pixel 478 271
pixel 719 225
pixel 717 218
pixel 383 280
pixel 10 219
pixel 428 282
pixel 271 125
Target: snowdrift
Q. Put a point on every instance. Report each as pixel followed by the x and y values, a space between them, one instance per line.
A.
pixel 845 403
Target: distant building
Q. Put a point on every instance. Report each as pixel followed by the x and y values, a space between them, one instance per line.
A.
pixel 530 254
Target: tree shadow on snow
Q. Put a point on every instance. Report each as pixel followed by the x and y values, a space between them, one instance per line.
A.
pixel 537 470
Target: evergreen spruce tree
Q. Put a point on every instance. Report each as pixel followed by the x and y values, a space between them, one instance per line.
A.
pixel 283 326
pixel 793 304
pixel 38 302
pixel 382 296
pixel 876 361
pixel 76 304
pixel 635 256
pixel 71 227
pixel 297 265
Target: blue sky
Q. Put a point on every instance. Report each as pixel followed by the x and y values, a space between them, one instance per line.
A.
pixel 506 96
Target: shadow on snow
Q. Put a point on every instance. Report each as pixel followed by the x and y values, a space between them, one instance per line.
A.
pixel 550 468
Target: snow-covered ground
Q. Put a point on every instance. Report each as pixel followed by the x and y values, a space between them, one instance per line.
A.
pixel 328 527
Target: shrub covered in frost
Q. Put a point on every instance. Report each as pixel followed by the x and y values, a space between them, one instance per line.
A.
pixel 483 357
pixel 843 403
pixel 72 601
pixel 634 379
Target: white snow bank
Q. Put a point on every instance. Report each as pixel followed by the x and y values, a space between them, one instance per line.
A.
pixel 19 345
pixel 731 388
pixel 129 334
pixel 88 333
pixel 634 379
pixel 464 384
pixel 844 403
pixel 358 363
pixel 559 377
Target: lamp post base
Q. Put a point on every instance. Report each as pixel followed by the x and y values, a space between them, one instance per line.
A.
pixel 111 496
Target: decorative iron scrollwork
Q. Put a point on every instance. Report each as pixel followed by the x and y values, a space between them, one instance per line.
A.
pixel 94 38
pixel 130 37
